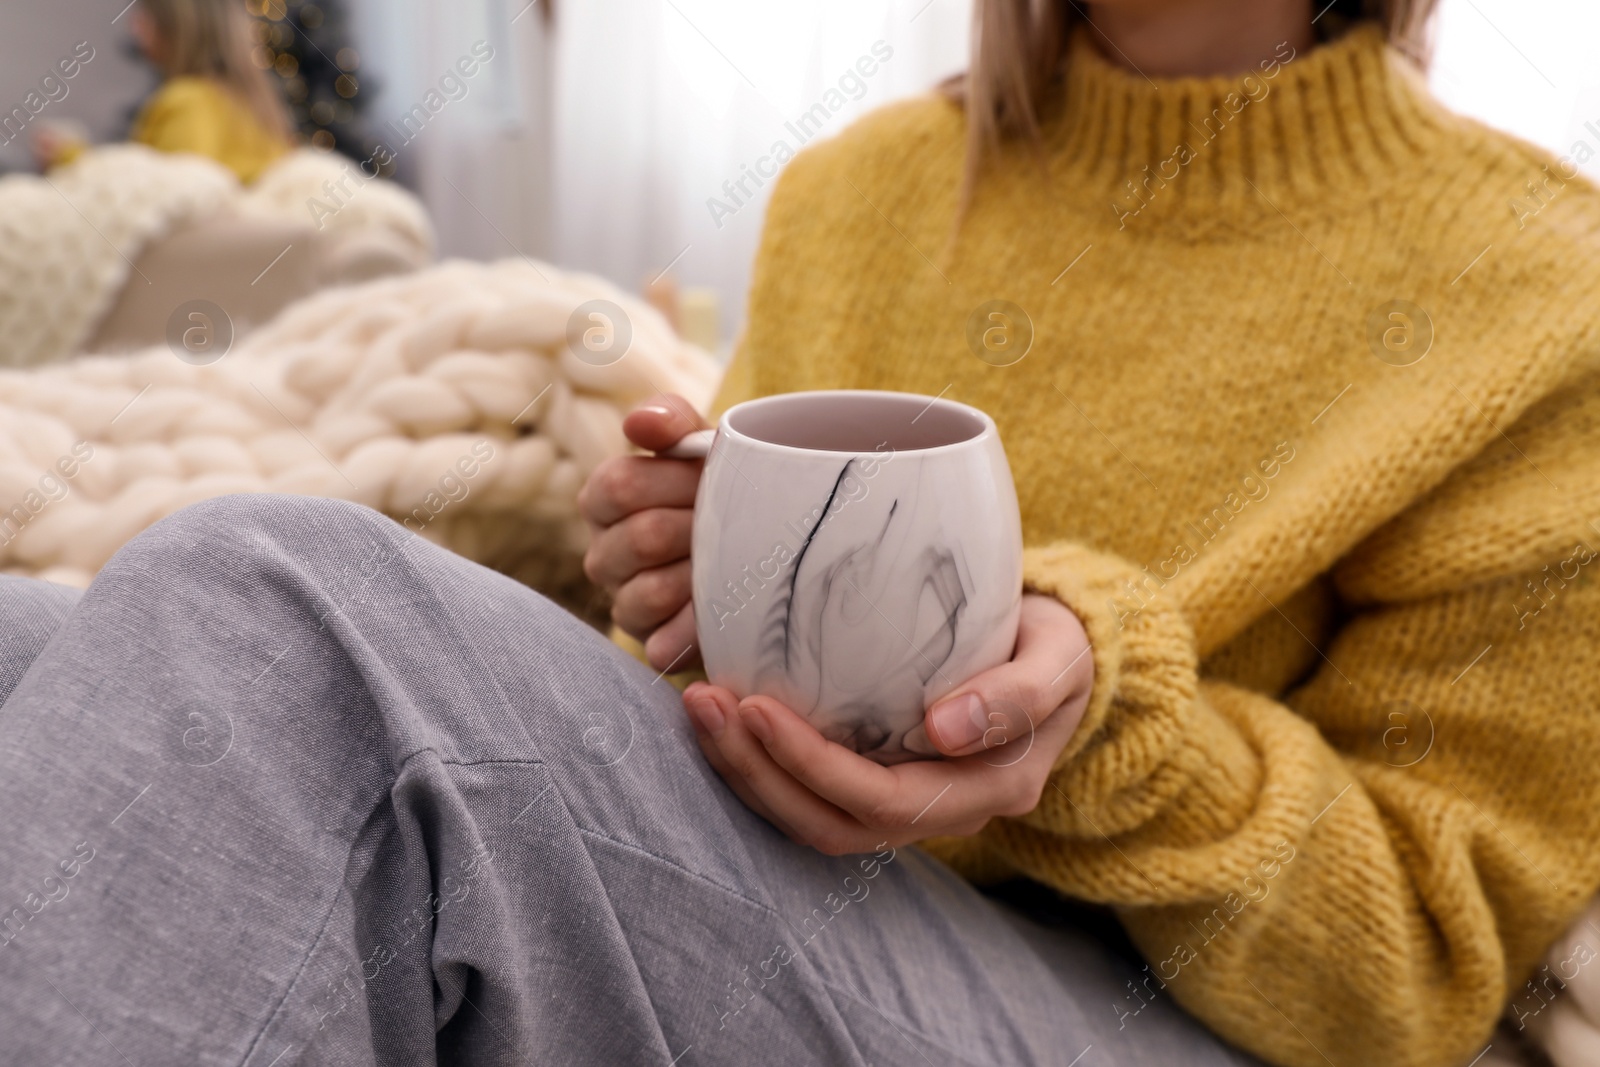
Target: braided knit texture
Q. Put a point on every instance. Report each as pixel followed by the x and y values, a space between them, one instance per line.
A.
pixel 300 181
pixel 69 239
pixel 1340 774
pixel 450 399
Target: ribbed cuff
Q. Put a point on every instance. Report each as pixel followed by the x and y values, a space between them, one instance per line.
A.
pixel 1145 680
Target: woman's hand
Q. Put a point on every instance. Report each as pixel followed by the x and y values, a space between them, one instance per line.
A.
pixel 640 511
pixel 1003 728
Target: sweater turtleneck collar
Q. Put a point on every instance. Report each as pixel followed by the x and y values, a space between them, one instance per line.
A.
pixel 1300 129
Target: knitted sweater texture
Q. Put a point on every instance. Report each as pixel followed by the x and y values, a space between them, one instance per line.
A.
pixel 1306 429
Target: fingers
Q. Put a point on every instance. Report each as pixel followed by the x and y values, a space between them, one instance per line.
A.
pixel 640 511
pixel 624 485
pixel 651 597
pixel 653 537
pixel 708 748
pixel 836 801
pixel 742 761
pixel 900 803
pixel 661 421
pixel 839 775
pixel 674 646
pixel 1050 667
pixel 751 799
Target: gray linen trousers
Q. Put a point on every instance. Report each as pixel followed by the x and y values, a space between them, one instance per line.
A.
pixel 290 785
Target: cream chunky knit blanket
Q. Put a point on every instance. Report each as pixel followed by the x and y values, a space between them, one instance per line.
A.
pixel 450 398
pixel 69 239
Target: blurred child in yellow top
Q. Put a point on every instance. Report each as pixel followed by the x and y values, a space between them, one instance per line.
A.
pixel 214 101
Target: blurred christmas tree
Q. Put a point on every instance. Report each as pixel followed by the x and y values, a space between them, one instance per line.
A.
pixel 307 43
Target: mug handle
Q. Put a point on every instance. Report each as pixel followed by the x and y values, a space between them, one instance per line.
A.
pixel 695 444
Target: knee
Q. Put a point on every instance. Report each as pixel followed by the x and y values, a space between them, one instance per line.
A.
pixel 240 526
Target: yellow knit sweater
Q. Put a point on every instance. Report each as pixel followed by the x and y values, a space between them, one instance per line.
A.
pixel 1340 775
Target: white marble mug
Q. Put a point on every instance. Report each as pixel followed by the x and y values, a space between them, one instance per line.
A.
pixel 856 555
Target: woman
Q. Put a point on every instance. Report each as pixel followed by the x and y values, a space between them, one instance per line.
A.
pixel 286 784
pixel 1305 443
pixel 213 100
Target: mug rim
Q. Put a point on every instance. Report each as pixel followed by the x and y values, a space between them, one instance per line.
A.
pixel 988 430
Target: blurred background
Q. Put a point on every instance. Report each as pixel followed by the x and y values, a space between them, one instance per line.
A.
pixel 601 134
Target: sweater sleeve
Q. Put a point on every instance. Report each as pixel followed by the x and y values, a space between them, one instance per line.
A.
pixel 1365 868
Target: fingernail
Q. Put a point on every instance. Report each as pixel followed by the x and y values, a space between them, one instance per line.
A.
pixel 708 715
pixel 656 409
pixel 959 722
pixel 755 720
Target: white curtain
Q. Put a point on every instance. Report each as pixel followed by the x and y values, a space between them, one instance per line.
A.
pixel 606 145
pixel 1527 68
pixel 480 162
pixel 659 103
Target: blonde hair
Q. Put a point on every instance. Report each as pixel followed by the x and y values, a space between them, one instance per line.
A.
pixel 1018 47
pixel 211 39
